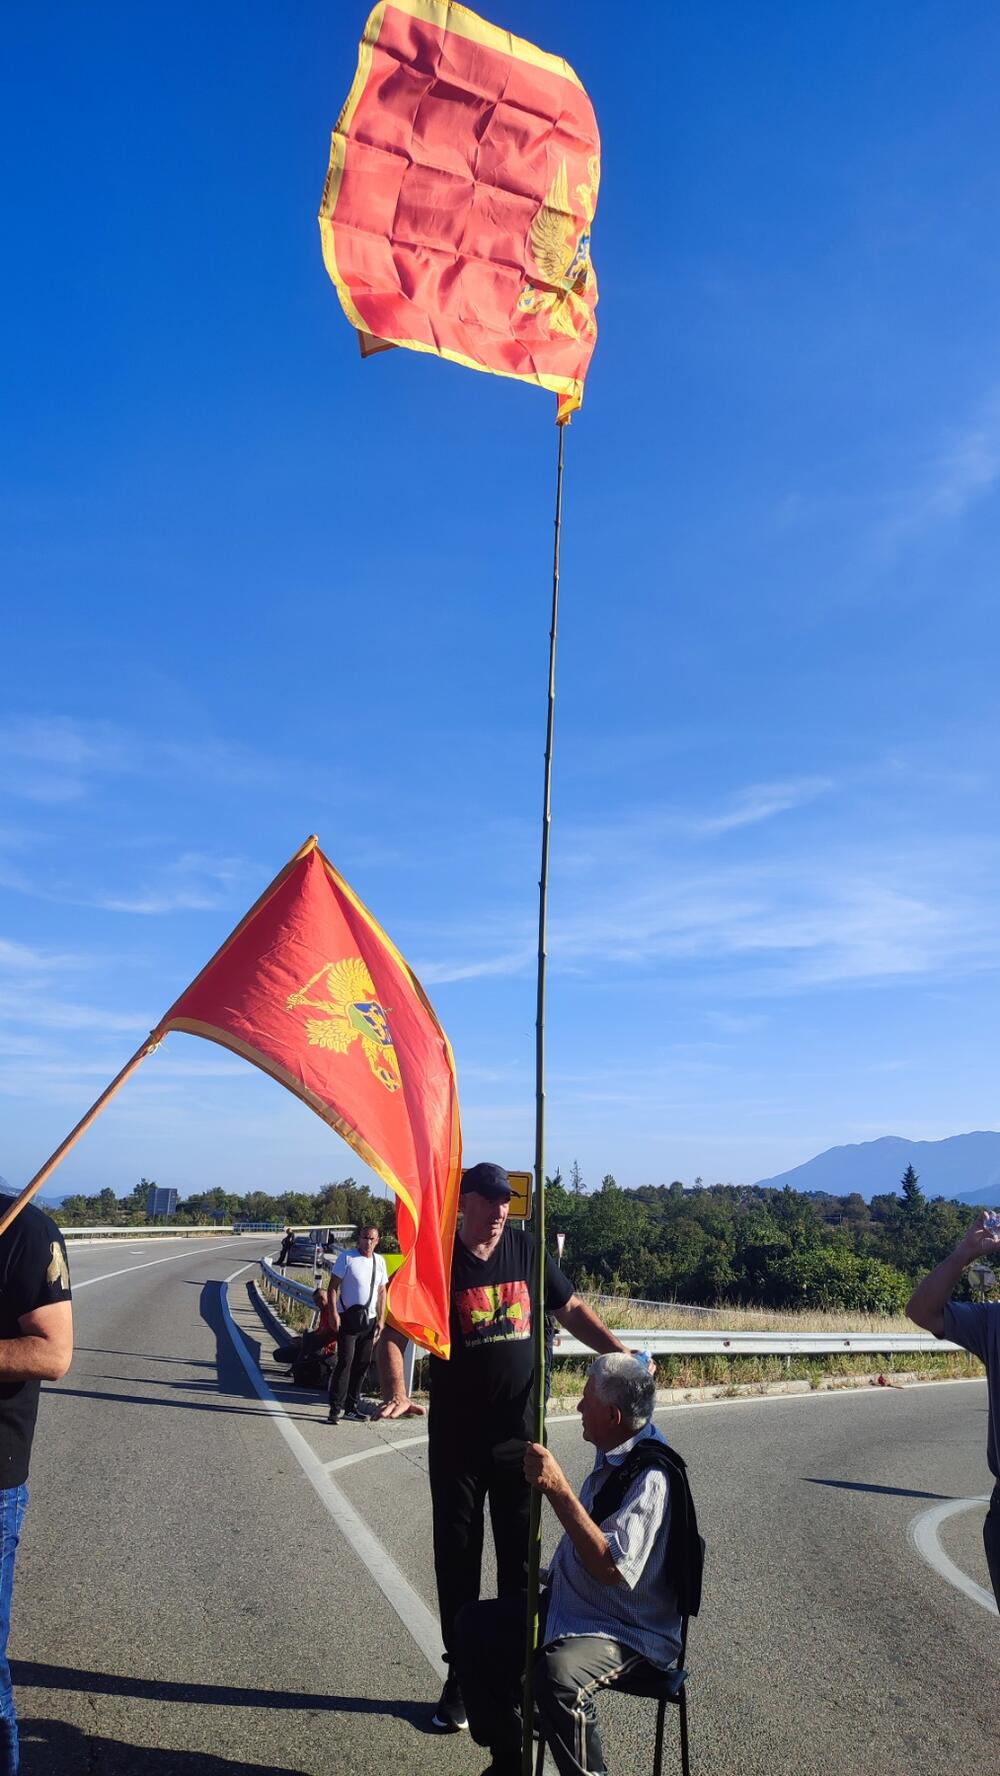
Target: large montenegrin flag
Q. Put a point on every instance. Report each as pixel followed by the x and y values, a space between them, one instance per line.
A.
pixel 310 988
pixel 457 211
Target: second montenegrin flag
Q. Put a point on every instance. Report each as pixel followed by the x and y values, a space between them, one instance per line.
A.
pixel 310 988
pixel 457 212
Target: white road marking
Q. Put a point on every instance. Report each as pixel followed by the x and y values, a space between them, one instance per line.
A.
pixel 408 1605
pixel 361 1455
pixel 149 1262
pixel 923 1533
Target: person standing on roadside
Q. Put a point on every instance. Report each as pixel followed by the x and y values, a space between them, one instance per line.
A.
pixel 356 1313
pixel 36 1345
pixel 480 1403
pixel 975 1325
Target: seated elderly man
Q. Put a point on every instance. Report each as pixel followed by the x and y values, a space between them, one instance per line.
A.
pixel 614 1592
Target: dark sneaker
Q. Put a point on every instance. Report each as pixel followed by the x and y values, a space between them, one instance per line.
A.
pixel 449 1716
pixel 333 1418
pixel 356 1417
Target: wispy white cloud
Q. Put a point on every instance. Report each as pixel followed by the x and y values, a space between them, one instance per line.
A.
pixel 18 958
pixel 851 916
pixel 762 801
pixel 963 469
pixel 195 882
pixel 57 759
pixel 512 961
pixel 44 1011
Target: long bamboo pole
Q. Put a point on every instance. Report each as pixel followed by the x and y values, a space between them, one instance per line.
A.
pixel 538 1397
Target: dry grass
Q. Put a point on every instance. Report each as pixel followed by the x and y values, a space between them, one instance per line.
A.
pixel 624 1316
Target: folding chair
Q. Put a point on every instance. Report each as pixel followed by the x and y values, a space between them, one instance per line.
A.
pixel 662 1687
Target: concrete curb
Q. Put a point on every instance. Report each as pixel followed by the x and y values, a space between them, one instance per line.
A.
pixel 761 1389
pixel 267 1313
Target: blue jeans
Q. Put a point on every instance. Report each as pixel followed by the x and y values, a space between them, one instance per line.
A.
pixel 13 1504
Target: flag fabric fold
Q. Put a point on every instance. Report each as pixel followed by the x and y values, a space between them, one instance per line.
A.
pixel 311 989
pixel 457 210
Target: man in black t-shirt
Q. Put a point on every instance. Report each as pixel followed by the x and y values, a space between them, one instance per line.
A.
pixel 36 1345
pixel 480 1402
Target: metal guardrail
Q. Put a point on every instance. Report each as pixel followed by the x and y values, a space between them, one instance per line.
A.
pixel 688 1343
pixel 184 1232
pixel 300 1292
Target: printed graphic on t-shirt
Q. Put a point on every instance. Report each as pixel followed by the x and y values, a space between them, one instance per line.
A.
pixel 495 1311
pixel 57 1274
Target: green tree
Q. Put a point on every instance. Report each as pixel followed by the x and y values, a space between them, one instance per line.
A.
pixel 913 1198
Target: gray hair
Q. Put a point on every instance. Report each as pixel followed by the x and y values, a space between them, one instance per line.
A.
pixel 622 1381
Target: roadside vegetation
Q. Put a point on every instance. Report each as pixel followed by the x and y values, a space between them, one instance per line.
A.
pixel 746 1250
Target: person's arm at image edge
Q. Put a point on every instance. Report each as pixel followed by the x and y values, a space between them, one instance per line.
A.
pixel 45 1351
pixel 931 1296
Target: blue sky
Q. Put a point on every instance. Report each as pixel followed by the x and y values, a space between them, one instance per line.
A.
pixel 257 588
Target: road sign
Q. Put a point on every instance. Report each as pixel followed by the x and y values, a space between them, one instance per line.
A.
pixel 520 1202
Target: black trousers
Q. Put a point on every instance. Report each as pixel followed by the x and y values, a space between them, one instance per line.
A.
pixel 569 1673
pixel 991 1541
pixel 354 1355
pixel 462 1478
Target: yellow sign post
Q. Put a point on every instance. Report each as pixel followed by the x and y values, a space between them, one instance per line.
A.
pixel 520 1202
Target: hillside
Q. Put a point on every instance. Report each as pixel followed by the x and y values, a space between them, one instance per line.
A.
pixel 963 1167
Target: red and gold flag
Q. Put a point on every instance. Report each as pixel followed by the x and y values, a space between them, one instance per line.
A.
pixel 457 210
pixel 311 989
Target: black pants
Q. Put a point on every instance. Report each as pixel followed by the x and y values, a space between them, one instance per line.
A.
pixel 462 1478
pixel 489 1660
pixel 991 1541
pixel 354 1355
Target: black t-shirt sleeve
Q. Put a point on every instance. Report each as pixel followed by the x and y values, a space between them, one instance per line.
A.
pixel 558 1288
pixel 38 1274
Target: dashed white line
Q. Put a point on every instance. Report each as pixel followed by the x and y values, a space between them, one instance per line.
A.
pixel 923 1533
pixel 174 1258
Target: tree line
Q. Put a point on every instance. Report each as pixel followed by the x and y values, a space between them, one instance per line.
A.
pixel 776 1248
pixel 345 1202
pixel 715 1244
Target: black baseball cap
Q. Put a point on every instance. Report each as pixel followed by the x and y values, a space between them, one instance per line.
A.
pixel 487 1180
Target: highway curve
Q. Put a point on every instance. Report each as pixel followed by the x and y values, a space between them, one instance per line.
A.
pixel 188 1601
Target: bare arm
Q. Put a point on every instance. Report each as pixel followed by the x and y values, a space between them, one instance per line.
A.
pixel 396 1402
pixel 582 1323
pixel 380 1310
pixel 332 1296
pixel 929 1299
pixel 46 1350
pixel 587 1537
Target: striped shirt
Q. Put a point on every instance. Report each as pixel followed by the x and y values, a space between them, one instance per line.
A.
pixel 642 1611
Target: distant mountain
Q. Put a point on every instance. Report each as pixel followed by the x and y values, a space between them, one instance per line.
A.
pixel 963 1167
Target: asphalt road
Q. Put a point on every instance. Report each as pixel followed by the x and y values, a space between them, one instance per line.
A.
pixel 187 1600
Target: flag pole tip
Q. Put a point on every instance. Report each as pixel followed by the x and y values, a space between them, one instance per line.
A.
pixel 310 845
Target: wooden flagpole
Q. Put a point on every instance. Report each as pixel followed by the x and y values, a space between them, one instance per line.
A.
pixel 152 1041
pixel 10 1214
pixel 538 1330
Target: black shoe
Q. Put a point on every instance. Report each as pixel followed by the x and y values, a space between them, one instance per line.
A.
pixel 449 1716
pixel 355 1416
pixel 333 1418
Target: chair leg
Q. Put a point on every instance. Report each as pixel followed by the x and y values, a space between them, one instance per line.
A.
pixel 661 1715
pixel 683 1711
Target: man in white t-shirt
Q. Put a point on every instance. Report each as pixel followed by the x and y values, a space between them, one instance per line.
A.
pixel 356 1303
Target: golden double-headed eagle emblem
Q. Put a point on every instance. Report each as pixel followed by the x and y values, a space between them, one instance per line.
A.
pixel 352 1013
pixel 560 248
